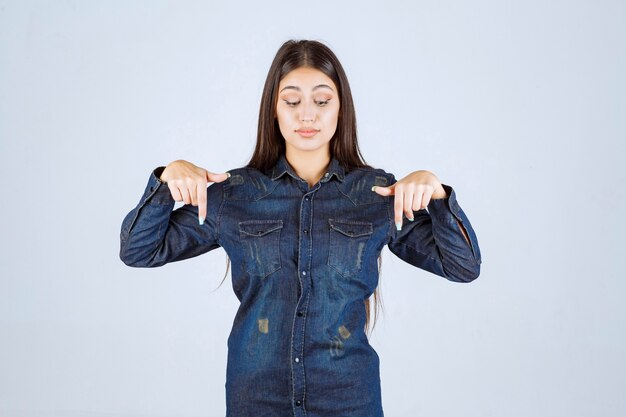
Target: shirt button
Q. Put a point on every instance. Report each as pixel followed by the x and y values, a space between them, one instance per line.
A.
pixel 307 198
pixel 300 314
pixel 303 272
pixel 298 403
pixel 327 174
pixel 297 359
pixel 305 231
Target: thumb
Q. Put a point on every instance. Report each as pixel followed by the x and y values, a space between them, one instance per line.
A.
pixel 384 191
pixel 212 177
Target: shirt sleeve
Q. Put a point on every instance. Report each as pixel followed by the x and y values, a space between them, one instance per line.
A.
pixel 153 234
pixel 434 241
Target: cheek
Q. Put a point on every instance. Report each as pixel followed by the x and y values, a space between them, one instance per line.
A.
pixel 333 116
pixel 284 124
pixel 280 118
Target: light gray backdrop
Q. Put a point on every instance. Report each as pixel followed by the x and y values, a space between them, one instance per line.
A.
pixel 519 105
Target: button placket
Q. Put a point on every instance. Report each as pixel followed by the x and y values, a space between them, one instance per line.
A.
pixel 304 262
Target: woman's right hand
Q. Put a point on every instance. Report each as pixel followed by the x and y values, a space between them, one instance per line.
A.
pixel 188 183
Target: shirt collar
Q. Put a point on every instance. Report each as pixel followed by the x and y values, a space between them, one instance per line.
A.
pixel 283 167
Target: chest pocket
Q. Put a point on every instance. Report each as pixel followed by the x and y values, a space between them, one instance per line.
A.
pixel 347 245
pixel 260 240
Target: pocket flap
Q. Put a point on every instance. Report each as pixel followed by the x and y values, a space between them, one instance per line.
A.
pixel 351 228
pixel 259 227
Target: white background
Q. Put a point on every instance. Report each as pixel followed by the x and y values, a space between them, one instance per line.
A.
pixel 519 105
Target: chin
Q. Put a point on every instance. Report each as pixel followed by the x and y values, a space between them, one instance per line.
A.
pixel 303 144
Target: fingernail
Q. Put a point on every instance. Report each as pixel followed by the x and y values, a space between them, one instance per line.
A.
pixel 411 219
pixel 201 221
pixel 399 226
pixel 228 175
pixel 374 188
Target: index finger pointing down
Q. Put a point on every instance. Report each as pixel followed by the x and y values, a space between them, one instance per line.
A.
pixel 398 207
pixel 201 192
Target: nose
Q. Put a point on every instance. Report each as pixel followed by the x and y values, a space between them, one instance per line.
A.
pixel 307 112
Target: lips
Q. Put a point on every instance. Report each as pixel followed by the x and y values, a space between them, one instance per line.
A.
pixel 307 133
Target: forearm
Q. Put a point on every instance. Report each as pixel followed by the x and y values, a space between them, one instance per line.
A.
pixel 440 240
pixel 143 227
pixel 455 237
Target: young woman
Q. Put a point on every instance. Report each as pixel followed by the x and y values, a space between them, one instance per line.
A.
pixel 303 224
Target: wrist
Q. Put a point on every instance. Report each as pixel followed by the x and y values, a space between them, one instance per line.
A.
pixel 158 172
pixel 439 193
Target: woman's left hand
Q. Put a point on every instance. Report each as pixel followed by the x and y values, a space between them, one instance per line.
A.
pixel 412 193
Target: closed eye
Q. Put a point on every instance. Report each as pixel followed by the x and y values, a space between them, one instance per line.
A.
pixel 295 103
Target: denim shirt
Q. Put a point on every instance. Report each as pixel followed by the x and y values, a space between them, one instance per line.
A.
pixel 303 261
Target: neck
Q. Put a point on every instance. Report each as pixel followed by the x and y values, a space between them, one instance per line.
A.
pixel 309 165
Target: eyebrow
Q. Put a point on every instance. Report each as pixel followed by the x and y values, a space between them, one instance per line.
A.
pixel 293 87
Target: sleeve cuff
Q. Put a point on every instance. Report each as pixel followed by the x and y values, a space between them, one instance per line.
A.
pixel 445 209
pixel 157 191
pixel 158 172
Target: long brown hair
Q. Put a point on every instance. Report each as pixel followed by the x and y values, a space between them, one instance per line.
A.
pixel 270 144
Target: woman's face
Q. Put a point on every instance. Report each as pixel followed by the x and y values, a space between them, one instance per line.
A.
pixel 307 110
